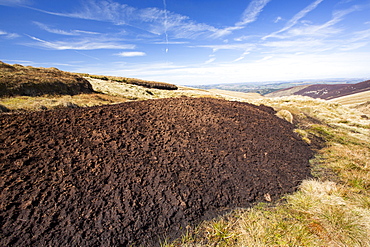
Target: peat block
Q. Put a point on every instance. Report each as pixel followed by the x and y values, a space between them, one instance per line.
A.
pixel 131 173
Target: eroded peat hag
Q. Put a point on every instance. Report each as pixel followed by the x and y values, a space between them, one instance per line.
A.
pixel 128 173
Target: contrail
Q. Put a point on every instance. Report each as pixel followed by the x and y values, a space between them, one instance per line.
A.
pixel 165 23
pixel 87 55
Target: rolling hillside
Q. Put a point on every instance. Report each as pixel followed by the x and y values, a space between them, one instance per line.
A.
pixel 25 88
pixel 324 91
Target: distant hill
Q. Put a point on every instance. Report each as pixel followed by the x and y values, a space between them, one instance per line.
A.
pixel 353 99
pixel 323 91
pixel 265 88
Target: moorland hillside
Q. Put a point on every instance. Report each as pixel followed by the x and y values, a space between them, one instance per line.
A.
pixel 19 80
pixel 25 88
pixel 323 91
pixel 148 171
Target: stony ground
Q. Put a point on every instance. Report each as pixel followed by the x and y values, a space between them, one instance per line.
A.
pixel 139 171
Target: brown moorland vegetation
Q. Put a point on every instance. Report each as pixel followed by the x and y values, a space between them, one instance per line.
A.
pixel 134 81
pixel 29 81
pixel 323 91
pixel 25 88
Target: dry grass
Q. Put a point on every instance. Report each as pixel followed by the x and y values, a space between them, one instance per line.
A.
pixel 331 210
pixel 135 92
pixel 107 93
pixel 353 99
pixel 134 81
pixel 237 95
pixel 19 80
pixel 28 103
pixel 28 88
pixel 284 114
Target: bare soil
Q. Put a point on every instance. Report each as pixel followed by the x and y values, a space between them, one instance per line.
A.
pixel 133 173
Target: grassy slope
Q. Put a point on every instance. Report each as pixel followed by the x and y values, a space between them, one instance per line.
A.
pixel 287 91
pixel 106 91
pixel 135 92
pixel 357 98
pixel 237 95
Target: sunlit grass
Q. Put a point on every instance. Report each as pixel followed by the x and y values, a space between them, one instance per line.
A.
pixel 133 81
pixel 29 103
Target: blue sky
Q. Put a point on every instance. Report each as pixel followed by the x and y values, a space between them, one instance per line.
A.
pixel 190 42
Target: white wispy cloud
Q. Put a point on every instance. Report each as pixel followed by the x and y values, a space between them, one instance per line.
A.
pixel 155 21
pixel 338 15
pixel 318 38
pixel 148 71
pixel 353 46
pixel 242 56
pixel 296 18
pixel 131 54
pixel 8 35
pixel 361 35
pixel 326 29
pixel 247 37
pixel 252 11
pixel 159 21
pixel 83 44
pixel 211 60
pixel 238 46
pixel 85 32
pixel 171 42
pixel 280 67
pixel 278 19
pixel 62 32
pixel 308 45
pixel 13 2
pixel 246 48
pixel 24 62
pixel 225 31
pixel 53 30
pixel 150 20
pixel 311 31
pixel 358 39
pixel 294 43
pixel 249 15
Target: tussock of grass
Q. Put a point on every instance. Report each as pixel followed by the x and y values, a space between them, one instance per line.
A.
pixel 284 114
pixel 332 210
